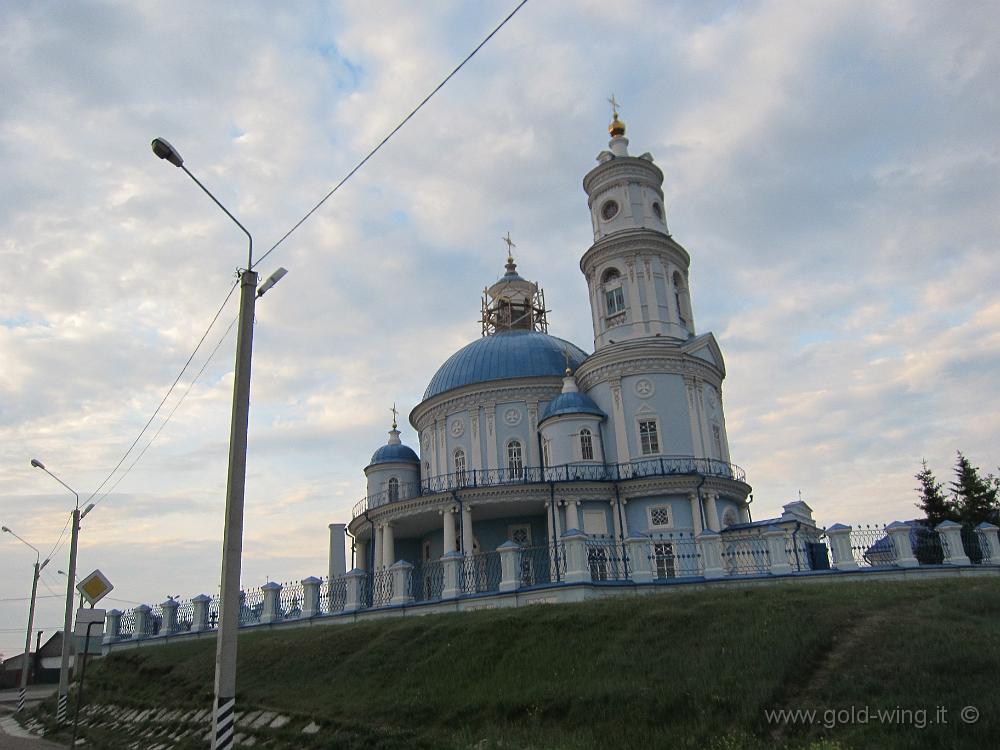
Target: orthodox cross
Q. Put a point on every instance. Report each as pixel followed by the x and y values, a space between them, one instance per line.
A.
pixel 510 246
pixel 394 414
pixel 614 105
pixel 566 357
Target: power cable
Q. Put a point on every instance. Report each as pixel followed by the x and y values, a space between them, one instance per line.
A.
pixel 393 132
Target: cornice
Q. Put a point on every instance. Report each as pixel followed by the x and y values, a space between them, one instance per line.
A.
pixel 644 356
pixel 484 393
pixel 620 169
pixel 635 243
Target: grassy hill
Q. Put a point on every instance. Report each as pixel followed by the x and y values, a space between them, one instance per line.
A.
pixel 682 669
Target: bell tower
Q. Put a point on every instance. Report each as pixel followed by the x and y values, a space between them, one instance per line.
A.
pixel 636 273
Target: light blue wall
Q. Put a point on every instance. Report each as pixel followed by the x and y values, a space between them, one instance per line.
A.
pixel 638 519
pixel 405 473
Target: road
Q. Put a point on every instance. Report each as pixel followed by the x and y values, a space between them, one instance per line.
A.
pixel 12 737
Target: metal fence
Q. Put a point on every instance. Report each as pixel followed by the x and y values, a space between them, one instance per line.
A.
pixel 928 545
pixel 537 566
pixel 481 573
pixel 745 556
pixel 606 560
pixel 807 550
pixel 333 595
pixel 675 555
pixel 985 548
pixel 427 581
pixel 872 547
pixel 251 606
pixel 292 600
pixel 379 588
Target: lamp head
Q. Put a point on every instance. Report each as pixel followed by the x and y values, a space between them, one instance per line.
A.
pixel 6 529
pixel 164 150
pixel 37 464
pixel 273 279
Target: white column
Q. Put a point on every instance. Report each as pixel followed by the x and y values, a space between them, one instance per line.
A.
pixel 467 539
pixel 430 442
pixel 388 546
pixel 572 515
pixel 618 413
pixel 616 521
pixel 712 511
pixel 559 526
pixel 548 523
pixel 695 513
pixel 378 547
pixel 595 305
pixel 491 436
pixel 633 294
pixel 745 512
pixel 652 304
pixel 361 554
pixel 448 527
pixel 696 442
pixel 338 565
pixel 533 459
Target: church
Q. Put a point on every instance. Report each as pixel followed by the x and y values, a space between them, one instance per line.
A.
pixel 523 436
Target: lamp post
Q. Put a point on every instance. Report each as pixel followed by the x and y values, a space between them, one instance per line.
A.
pixel 22 694
pixel 70 577
pixel 223 715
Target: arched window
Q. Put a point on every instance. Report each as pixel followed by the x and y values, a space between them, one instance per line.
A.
pixel 393 489
pixel 586 445
pixel 460 466
pixel 729 518
pixel 515 462
pixel 614 295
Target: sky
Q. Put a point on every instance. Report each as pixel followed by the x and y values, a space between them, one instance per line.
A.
pixel 832 168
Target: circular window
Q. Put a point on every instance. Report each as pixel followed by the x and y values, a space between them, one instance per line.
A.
pixel 609 210
pixel 658 210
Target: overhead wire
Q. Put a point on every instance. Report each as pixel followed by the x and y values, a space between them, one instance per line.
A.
pixel 393 132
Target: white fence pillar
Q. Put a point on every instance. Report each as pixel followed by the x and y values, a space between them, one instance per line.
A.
pixel 951 540
pixel 169 610
pixel 577 567
pixel 899 534
pixel 840 544
pixel 777 552
pixel 143 622
pixel 272 594
pixel 113 626
pixel 510 554
pixel 199 613
pixel 310 596
pixel 355 580
pixel 451 564
pixel 710 544
pixel 989 542
pixel 400 572
pixel 639 563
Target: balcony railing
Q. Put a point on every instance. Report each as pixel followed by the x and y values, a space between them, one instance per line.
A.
pixel 636 469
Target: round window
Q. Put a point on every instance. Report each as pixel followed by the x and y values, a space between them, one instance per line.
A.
pixel 658 210
pixel 609 210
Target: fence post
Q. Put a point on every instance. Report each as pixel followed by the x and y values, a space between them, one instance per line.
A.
pixel 710 544
pixel 400 573
pixel 310 596
pixel 509 553
pixel 451 564
pixel 354 580
pixel 269 609
pixel 638 547
pixel 142 621
pixel 951 536
pixel 989 539
pixel 777 552
pixel 899 534
pixel 199 613
pixel 840 544
pixel 577 566
pixel 169 609
pixel 113 626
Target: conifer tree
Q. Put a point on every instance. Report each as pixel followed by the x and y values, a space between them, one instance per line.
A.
pixel 933 502
pixel 975 497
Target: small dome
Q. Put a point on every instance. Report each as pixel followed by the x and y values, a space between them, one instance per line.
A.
pixel 505 355
pixel 572 402
pixel 394 451
pixel 617 127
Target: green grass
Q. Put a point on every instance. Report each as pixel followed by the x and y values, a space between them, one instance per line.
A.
pixel 693 669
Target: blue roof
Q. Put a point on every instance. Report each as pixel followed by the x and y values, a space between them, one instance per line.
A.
pixel 572 403
pixel 392 453
pixel 504 355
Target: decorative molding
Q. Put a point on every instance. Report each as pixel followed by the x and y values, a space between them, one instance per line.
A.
pixel 487 394
pixel 457 428
pixel 644 388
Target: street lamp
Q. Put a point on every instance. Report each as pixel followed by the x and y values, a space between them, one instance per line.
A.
pixel 22 694
pixel 71 576
pixel 223 715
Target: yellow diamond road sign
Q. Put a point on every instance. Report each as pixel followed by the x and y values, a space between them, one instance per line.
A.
pixel 94 587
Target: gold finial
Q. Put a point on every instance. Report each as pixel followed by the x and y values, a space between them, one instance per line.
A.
pixel 566 357
pixel 617 127
pixel 510 247
pixel 394 414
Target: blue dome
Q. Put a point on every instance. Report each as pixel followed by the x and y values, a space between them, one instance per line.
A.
pixel 504 355
pixel 393 453
pixel 572 403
